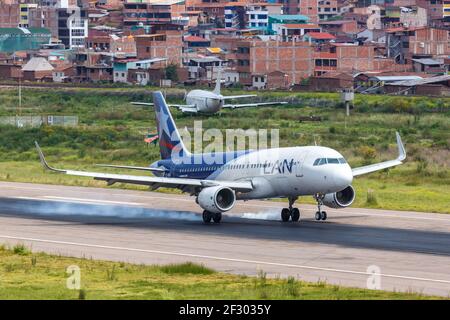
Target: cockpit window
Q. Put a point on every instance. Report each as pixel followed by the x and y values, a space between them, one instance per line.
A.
pixel 322 161
pixel 332 160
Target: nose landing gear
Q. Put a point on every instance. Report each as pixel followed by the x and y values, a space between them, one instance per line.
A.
pixel 320 215
pixel 290 213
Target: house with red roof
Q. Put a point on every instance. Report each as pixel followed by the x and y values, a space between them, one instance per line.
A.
pixel 318 37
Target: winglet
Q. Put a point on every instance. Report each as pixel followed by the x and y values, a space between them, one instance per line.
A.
pixel 43 161
pixel 401 148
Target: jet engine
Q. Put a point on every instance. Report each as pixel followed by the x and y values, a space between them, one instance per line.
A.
pixel 340 199
pixel 216 199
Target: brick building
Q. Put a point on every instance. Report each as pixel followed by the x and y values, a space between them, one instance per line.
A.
pixel 37 69
pixel 260 58
pixel 309 8
pixel 152 11
pixel 10 71
pixel 327 9
pixel 436 9
pixel 164 44
pixel 215 10
pixel 403 44
pixel 119 46
pixel 340 26
pixel 9 15
pixel 350 58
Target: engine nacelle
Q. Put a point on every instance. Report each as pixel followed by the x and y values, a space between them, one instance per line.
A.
pixel 216 199
pixel 341 199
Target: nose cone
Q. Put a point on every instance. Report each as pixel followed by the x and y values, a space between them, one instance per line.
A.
pixel 343 177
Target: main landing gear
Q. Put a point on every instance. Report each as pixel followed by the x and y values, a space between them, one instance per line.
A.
pixel 290 213
pixel 320 215
pixel 208 216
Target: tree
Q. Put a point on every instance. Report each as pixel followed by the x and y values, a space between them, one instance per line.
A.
pixel 171 72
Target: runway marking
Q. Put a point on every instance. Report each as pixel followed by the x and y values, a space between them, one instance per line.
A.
pixel 257 262
pixel 78 200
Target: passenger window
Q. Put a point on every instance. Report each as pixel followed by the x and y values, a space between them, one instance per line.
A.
pixel 332 160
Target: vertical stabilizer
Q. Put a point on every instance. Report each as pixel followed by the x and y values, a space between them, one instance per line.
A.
pixel 170 143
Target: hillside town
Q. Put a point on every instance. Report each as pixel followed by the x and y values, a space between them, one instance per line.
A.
pixel 369 46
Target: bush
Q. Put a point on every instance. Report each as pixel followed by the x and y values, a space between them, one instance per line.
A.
pixel 291 287
pixel 368 153
pixel 21 249
pixel 422 165
pixel 82 294
pixel 371 198
pixel 188 267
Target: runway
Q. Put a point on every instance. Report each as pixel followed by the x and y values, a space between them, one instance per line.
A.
pixel 406 251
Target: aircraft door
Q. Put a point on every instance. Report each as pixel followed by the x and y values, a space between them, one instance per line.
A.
pixel 299 164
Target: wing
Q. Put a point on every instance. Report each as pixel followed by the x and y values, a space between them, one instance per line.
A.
pixel 189 108
pixel 239 96
pixel 142 103
pixel 184 184
pixel 246 105
pixel 132 167
pixel 386 164
pixel 183 107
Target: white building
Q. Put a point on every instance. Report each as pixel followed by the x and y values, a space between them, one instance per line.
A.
pixel 257 14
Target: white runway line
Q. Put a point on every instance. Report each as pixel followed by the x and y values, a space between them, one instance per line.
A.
pixel 226 259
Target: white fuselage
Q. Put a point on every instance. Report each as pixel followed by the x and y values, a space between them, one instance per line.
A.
pixel 205 101
pixel 290 172
pixel 278 172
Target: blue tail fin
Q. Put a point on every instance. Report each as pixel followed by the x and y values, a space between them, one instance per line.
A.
pixel 170 143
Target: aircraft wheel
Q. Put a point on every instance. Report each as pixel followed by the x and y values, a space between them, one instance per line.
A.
pixel 207 216
pixel 285 214
pixel 324 215
pixel 295 214
pixel 217 217
pixel 318 216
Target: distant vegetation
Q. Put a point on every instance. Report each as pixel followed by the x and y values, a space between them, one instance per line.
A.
pixel 27 275
pixel 112 130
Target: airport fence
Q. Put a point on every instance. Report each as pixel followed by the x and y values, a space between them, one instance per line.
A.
pixel 38 120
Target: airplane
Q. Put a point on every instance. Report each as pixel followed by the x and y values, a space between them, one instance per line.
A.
pixel 209 102
pixel 289 172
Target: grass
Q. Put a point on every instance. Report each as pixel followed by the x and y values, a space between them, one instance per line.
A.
pixel 42 276
pixel 111 130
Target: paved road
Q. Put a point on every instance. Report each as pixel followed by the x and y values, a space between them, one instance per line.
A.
pixel 409 250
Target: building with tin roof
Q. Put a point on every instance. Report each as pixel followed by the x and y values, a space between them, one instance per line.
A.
pixel 23 39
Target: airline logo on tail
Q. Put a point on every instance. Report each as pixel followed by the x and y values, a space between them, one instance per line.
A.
pixel 170 143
